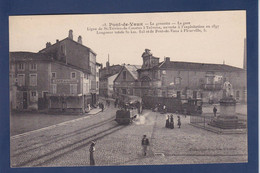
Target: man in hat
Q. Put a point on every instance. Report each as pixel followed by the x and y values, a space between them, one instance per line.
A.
pixel 179 121
pixel 215 110
pixel 145 144
pixel 91 153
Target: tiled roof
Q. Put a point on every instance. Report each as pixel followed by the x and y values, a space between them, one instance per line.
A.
pixel 25 56
pixel 178 65
pixel 68 39
pixel 133 70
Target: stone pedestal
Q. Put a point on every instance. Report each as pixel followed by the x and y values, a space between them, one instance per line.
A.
pixel 227 118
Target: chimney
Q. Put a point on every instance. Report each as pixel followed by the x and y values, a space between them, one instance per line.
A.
pixel 48 44
pixel 71 34
pixel 80 40
pixel 167 59
pixel 57 41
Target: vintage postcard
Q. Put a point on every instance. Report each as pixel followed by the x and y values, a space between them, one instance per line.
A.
pixel 128 89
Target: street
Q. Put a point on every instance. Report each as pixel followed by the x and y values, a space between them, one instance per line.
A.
pixel 67 143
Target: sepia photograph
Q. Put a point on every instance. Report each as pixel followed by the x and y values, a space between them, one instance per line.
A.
pixel 166 88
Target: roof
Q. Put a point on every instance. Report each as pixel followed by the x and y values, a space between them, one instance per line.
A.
pixel 133 70
pixel 98 64
pixel 178 65
pixel 29 56
pixel 66 39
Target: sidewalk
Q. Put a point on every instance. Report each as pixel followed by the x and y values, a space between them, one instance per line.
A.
pixel 21 122
pixel 94 111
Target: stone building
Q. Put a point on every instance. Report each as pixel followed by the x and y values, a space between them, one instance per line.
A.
pixel 107 76
pixel 62 76
pixel 126 81
pixel 188 80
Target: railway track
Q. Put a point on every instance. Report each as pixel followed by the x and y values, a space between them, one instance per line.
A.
pixel 54 139
pixel 43 152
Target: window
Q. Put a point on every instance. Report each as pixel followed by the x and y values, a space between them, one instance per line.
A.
pixel 123 91
pixel 21 79
pixel 33 80
pixel 93 85
pixel 33 94
pixel 85 75
pixel 73 75
pixel 73 88
pixel 178 94
pixel 33 66
pixel 21 66
pixel 195 94
pixel 53 75
pixel 97 84
pixel 124 75
pixel 53 88
pixel 177 80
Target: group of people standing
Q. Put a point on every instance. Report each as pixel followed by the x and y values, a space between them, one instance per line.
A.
pixel 170 121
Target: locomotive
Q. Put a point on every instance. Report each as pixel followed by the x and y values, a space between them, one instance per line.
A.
pixel 126 114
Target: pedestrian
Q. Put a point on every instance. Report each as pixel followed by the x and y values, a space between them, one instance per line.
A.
pixel 91 153
pixel 215 110
pixel 102 107
pixel 145 144
pixel 159 108
pixel 171 122
pixel 164 109
pixel 167 121
pixel 179 121
pixel 108 103
pixel 116 103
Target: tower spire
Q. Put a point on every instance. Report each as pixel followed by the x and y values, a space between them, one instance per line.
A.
pixel 107 64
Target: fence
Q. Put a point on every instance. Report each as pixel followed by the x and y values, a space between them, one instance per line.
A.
pixel 200 120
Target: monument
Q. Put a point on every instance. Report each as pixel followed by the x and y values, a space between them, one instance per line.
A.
pixel 227 119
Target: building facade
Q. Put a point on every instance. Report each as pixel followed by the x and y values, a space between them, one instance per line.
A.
pixel 61 77
pixel 126 81
pixel 189 80
pixel 107 76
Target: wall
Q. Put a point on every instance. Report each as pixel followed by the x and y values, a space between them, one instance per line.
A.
pixel 71 52
pixel 64 72
pixel 110 85
pixel 127 84
pixel 190 81
pixel 42 84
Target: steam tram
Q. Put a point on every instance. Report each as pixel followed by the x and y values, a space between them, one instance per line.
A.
pixel 130 107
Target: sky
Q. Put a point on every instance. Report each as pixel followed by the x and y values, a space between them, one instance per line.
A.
pixel 223 40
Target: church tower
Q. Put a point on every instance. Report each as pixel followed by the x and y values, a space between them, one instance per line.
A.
pixel 149 60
